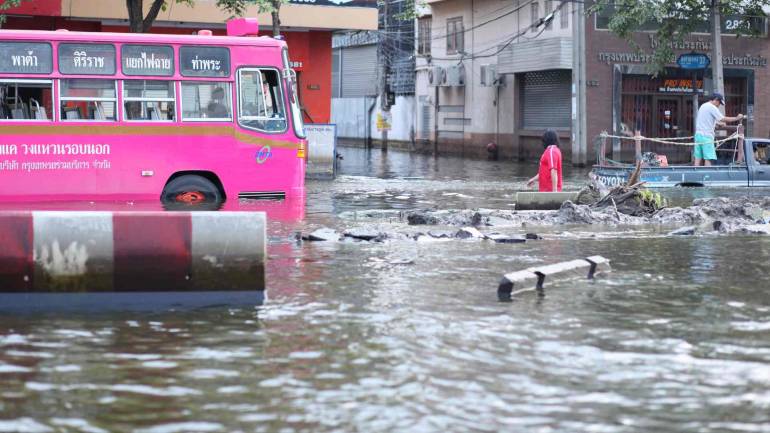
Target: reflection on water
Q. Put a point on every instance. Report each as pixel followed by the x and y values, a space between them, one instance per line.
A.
pixel 409 336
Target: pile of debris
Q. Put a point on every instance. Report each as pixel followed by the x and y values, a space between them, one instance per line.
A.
pixel 629 199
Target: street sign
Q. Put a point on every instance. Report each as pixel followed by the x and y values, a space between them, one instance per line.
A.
pixel 693 61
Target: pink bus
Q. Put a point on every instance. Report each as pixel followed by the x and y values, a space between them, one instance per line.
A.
pixel 190 119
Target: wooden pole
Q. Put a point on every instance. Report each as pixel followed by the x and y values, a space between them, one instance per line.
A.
pixel 603 152
pixel 638 145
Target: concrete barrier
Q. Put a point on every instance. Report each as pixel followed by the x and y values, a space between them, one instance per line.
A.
pixel 535 278
pixel 78 252
pixel 531 200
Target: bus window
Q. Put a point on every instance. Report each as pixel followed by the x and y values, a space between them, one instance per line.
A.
pixel 148 100
pixel 260 103
pixel 26 99
pixel 88 99
pixel 208 101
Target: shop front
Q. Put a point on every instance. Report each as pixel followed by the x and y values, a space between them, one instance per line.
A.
pixel 625 95
pixel 665 106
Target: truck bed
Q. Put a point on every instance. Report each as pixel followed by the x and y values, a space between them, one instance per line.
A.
pixel 678 175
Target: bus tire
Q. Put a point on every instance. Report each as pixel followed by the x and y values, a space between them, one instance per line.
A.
pixel 191 190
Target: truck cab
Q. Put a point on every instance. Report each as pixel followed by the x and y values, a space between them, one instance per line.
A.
pixel 757 151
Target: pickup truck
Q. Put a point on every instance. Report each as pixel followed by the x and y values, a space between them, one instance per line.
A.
pixel 751 170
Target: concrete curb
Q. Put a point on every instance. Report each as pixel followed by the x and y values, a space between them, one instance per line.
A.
pixel 531 200
pixel 535 278
pixel 66 252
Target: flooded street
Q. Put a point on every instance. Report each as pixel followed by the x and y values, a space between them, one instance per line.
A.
pixel 409 336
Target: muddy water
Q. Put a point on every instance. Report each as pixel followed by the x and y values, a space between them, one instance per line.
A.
pixel 409 336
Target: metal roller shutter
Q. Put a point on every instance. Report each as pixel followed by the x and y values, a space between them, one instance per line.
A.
pixel 359 71
pixel 547 99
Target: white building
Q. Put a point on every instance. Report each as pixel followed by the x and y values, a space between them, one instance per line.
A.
pixel 487 72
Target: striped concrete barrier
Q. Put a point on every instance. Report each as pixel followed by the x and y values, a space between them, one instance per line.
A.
pixel 131 252
pixel 535 278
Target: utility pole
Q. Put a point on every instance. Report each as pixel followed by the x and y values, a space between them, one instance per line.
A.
pixel 579 133
pixel 717 71
pixel 384 72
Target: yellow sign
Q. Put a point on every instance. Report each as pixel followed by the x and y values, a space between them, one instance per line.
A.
pixel 383 121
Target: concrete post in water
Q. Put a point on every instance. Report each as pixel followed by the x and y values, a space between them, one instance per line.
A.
pixel 66 252
pixel 599 265
pixel 563 270
pixel 535 278
pixel 517 282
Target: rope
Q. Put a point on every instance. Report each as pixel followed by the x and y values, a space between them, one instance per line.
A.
pixel 672 141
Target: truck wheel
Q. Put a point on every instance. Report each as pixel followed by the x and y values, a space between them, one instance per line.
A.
pixel 191 191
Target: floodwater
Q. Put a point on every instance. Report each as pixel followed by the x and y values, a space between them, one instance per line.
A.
pixel 407 336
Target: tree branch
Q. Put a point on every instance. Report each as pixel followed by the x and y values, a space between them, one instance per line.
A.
pixel 152 15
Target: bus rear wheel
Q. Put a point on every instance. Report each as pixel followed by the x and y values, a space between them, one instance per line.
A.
pixel 192 191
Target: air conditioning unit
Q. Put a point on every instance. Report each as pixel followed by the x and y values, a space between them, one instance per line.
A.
pixel 437 76
pixel 455 76
pixel 489 75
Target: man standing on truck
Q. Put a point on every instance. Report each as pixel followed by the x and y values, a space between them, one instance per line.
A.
pixel 708 117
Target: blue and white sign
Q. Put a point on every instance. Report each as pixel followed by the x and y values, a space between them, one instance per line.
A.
pixel 693 61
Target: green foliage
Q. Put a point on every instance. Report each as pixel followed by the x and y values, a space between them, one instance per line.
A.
pixel 5 5
pixel 652 199
pixel 238 7
pixel 673 20
pixel 411 10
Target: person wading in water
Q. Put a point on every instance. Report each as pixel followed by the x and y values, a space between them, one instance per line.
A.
pixel 549 175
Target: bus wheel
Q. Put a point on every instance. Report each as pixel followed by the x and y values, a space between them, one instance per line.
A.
pixel 190 190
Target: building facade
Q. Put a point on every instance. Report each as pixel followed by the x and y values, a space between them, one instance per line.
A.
pixel 359 60
pixel 307 27
pixel 491 71
pixel 624 96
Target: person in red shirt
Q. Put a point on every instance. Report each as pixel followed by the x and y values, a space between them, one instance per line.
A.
pixel 549 175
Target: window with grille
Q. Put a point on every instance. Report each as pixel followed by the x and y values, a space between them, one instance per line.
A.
pixel 424 35
pixel 455 35
pixel 548 10
pixel 534 12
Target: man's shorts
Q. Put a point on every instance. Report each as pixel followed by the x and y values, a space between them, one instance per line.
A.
pixel 704 147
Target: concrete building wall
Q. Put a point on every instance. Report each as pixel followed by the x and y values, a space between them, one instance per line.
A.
pixel 349 114
pixel 206 11
pixel 471 116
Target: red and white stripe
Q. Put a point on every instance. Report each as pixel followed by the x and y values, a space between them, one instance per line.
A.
pixel 131 251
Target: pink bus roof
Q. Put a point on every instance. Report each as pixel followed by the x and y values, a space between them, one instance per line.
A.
pixel 133 38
